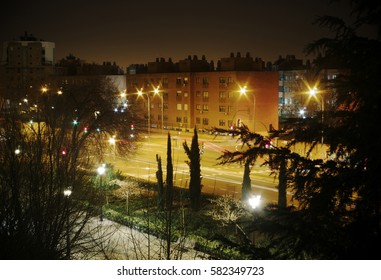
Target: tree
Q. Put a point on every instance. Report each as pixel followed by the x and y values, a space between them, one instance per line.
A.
pixel 160 184
pixel 339 198
pixel 195 186
pixel 246 184
pixel 253 146
pixel 169 196
pixel 47 148
pixel 352 178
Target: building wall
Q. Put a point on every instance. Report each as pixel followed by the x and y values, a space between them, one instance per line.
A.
pixel 25 64
pixel 208 99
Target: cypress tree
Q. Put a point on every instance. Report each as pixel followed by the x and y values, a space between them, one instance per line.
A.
pixel 246 184
pixel 169 187
pixel 160 184
pixel 195 186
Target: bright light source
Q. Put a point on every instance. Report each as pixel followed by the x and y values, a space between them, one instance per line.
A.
pixel 312 91
pixel 242 90
pixel 112 140
pixel 67 192
pixel 255 201
pixel 17 151
pixel 101 169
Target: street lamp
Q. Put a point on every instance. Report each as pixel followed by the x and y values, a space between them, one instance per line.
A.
pixel 314 92
pixel 101 170
pixel 67 193
pixel 112 142
pixel 140 93
pixel 255 201
pixel 156 92
pixel 243 91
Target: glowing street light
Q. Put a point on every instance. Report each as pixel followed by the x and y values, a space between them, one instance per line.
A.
pixel 243 91
pixel 101 171
pixel 157 92
pixel 67 192
pixel 314 93
pixel 255 201
pixel 112 140
pixel 140 93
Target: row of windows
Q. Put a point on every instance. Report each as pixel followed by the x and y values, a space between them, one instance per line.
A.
pixel 181 81
pixel 204 121
pixel 199 107
pixel 205 95
pixel 221 108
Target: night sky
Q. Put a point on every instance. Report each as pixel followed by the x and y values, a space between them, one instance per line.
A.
pixel 139 31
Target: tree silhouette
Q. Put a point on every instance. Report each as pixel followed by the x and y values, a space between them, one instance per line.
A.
pixel 169 196
pixel 246 183
pixel 160 184
pixel 195 186
pixel 52 146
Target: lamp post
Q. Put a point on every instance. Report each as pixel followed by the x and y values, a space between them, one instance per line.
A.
pixel 156 91
pixel 254 203
pixel 67 193
pixel 140 93
pixel 313 92
pixel 112 142
pixel 243 91
pixel 101 170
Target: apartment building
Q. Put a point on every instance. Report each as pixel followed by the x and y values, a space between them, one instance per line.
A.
pixel 24 63
pixel 191 93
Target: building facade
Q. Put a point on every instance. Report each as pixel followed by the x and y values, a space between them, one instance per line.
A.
pixel 24 63
pixel 206 99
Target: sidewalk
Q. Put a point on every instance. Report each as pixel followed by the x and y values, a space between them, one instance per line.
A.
pixel 113 241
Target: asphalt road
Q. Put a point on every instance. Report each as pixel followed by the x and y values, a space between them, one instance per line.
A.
pixel 216 178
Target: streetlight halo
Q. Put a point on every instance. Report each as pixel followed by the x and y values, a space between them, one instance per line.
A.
pixel 101 169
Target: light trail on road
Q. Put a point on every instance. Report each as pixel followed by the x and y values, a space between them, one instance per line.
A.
pixel 216 179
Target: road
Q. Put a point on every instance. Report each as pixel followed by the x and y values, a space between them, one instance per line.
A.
pixel 216 179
